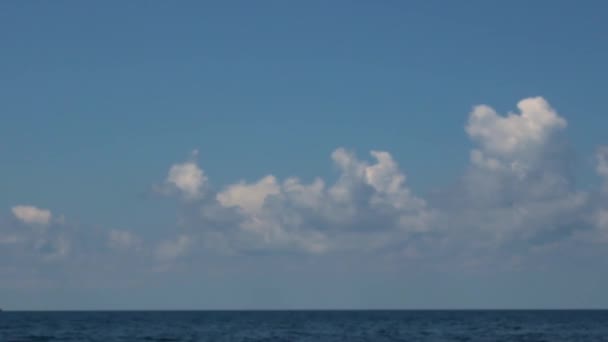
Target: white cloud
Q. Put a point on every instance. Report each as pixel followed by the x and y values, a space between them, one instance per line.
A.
pixel 519 148
pixel 31 214
pixel 188 178
pixel 516 145
pixel 310 196
pixel 249 197
pixel 366 199
pixel 515 188
pixel 516 196
pixel 518 190
pixel 514 133
pixel 377 190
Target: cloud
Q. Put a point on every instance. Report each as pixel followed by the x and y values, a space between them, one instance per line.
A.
pixel 187 178
pixel 518 193
pixel 522 150
pixel 517 190
pixel 514 133
pixel 32 215
pixel 123 240
pixel 600 219
pixel 602 165
pixel 53 247
pixel 516 197
pixel 367 204
pixel 43 239
pixel 172 249
pixel 367 192
pixel 600 214
pixel 249 197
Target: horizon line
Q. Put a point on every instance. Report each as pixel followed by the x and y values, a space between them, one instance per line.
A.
pixel 302 310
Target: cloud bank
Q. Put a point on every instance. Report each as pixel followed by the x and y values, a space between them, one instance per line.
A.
pixel 517 196
pixel 517 193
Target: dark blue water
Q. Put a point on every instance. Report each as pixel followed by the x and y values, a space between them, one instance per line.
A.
pixel 305 326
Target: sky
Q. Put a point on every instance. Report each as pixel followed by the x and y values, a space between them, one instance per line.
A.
pixel 297 155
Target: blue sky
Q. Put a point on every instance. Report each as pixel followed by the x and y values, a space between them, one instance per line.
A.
pixel 100 102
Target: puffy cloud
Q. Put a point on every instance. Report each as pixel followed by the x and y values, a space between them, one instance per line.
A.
pixel 249 197
pixel 32 215
pixel 518 145
pixel 516 196
pixel 377 192
pixel 366 197
pixel 304 195
pixel 519 189
pixel 368 202
pixel 514 133
pixel 520 148
pixel 187 178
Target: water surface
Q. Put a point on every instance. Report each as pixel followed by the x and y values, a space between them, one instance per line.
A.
pixel 304 326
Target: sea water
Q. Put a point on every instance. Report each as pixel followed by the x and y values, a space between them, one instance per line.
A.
pixel 193 326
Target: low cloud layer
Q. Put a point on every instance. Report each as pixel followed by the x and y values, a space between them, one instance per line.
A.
pixel 34 236
pixel 518 192
pixel 366 208
pixel 517 196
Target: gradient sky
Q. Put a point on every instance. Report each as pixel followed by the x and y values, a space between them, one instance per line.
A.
pixel 312 154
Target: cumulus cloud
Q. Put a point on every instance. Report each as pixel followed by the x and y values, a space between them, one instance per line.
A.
pixel 520 148
pixel 366 203
pixel 516 196
pixel 187 178
pixel 369 192
pixel 514 133
pixel 518 192
pixel 249 197
pixel 31 214
pixel 518 189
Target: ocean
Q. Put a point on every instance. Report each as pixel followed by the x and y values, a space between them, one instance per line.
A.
pixel 193 326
